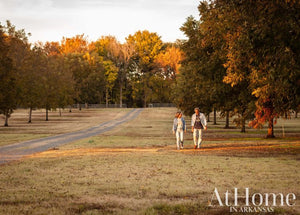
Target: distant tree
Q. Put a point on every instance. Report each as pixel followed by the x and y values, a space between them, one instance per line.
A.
pixel 111 75
pixel 31 82
pixel 75 45
pixel 48 78
pixel 95 81
pixel 109 49
pixel 168 64
pixel 17 50
pixel 80 69
pixel 61 68
pixel 74 49
pixel 7 81
pixel 126 58
pixel 170 61
pixel 147 47
pixel 202 69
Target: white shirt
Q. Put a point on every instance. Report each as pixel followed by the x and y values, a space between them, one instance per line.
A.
pixel 202 118
pixel 179 124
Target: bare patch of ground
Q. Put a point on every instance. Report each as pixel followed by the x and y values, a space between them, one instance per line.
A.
pixel 229 149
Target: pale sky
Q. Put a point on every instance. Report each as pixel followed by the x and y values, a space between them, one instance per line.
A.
pixel 50 20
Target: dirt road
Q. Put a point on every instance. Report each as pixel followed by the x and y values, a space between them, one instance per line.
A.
pixel 19 150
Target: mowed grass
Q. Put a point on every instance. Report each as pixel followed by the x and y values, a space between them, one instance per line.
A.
pixel 135 169
pixel 135 182
pixel 20 130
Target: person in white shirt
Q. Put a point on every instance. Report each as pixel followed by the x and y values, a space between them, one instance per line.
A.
pixel 198 123
pixel 178 128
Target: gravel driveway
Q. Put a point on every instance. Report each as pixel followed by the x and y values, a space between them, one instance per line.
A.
pixel 19 150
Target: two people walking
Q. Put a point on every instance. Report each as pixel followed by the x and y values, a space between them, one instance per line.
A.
pixel 198 123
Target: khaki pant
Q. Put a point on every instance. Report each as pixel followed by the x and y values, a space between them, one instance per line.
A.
pixel 179 138
pixel 197 135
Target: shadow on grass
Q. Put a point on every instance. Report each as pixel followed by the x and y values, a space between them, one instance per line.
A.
pixel 198 209
pixel 91 208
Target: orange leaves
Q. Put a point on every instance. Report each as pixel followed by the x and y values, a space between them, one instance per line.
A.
pixel 263 113
pixel 52 48
pixel 171 59
pixel 236 63
pixel 77 44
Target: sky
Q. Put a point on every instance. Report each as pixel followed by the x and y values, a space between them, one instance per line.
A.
pixel 50 20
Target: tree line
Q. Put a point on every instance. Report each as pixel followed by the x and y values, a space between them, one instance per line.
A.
pixel 242 58
pixel 75 70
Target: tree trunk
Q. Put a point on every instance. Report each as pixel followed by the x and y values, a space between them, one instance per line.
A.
pixel 47 119
pixel 215 116
pixel 145 102
pixel 106 98
pixel 243 126
pixel 60 112
pixel 208 120
pixel 145 92
pixel 271 128
pixel 30 114
pixel 227 119
pixel 296 114
pixel 121 95
pixel 145 96
pixel 79 106
pixel 6 120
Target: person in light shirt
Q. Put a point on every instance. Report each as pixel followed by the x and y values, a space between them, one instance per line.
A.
pixel 198 123
pixel 178 128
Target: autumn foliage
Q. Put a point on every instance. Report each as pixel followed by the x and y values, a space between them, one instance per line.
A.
pixel 242 58
pixel 57 75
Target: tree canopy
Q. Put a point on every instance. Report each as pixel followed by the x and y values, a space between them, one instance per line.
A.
pixel 243 57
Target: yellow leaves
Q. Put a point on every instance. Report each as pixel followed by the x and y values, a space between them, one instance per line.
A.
pixel 147 45
pixel 88 57
pixel 108 47
pixel 261 92
pixel 257 76
pixel 111 73
pixel 257 92
pixel 234 75
pixel 233 78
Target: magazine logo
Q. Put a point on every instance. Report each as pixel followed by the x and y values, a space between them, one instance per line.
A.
pixel 242 201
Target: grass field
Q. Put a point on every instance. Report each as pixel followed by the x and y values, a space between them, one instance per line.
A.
pixel 20 130
pixel 135 169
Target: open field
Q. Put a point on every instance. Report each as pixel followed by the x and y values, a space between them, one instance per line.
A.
pixel 19 130
pixel 135 169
